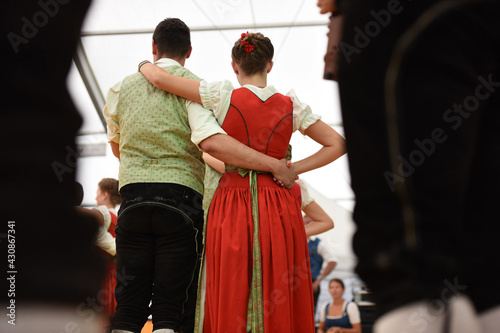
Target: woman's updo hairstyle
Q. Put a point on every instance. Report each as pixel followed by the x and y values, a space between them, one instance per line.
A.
pixel 252 52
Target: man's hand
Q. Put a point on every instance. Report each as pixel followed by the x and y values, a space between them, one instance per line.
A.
pixel 316 284
pixel 284 174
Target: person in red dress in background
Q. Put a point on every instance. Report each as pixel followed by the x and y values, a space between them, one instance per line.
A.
pixel 257 264
pixel 107 199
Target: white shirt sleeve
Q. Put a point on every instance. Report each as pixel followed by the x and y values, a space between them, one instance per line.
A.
pixel 302 114
pixel 216 96
pixel 304 193
pixel 105 214
pixel 326 251
pixel 322 316
pixel 104 239
pixel 110 113
pixel 202 122
pixel 353 313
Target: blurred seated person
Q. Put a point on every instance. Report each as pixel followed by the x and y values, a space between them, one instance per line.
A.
pixel 339 316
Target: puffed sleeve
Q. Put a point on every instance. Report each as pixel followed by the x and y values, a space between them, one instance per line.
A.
pixel 326 250
pixel 216 96
pixel 104 239
pixel 105 214
pixel 111 113
pixel 202 122
pixel 353 313
pixel 322 314
pixel 302 114
pixel 304 192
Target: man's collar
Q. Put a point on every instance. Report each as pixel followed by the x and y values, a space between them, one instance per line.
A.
pixel 167 62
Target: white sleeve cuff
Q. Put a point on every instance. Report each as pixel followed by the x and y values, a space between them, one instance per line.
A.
pixel 302 114
pixel 202 122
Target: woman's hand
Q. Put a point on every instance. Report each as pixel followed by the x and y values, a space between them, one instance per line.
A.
pixel 334 329
pixel 316 284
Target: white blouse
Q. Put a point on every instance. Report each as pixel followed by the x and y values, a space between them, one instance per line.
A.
pixel 216 96
pixel 104 239
pixel 304 193
pixel 352 313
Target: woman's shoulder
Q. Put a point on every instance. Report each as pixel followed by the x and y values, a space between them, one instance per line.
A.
pixel 216 93
pixel 326 306
pixel 352 308
pixel 353 313
pixel 217 85
pixel 351 304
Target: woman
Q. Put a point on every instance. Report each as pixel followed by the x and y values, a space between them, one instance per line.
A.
pixel 257 266
pixel 339 316
pixel 107 198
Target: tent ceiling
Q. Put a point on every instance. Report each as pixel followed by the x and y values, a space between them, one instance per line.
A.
pixel 131 15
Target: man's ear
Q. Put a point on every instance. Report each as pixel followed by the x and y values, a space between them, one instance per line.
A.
pixel 155 48
pixel 189 52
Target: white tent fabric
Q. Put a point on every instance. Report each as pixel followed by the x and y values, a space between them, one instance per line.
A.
pixel 117 35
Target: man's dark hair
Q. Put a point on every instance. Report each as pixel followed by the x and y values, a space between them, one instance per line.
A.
pixel 172 38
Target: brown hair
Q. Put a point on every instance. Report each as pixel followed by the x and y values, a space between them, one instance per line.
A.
pixel 256 60
pixel 339 281
pixel 110 186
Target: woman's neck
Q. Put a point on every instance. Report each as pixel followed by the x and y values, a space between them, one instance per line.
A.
pixel 338 301
pixel 258 80
pixel 108 205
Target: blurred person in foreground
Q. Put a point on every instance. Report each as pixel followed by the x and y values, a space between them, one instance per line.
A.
pixel 53 274
pixel 419 85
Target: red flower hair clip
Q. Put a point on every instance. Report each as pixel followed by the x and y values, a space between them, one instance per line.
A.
pixel 248 48
pixel 245 45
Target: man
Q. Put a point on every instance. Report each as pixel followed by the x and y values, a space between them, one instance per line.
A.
pixel 160 223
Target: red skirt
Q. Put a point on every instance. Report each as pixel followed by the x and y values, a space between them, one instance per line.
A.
pixel 286 275
pixel 108 290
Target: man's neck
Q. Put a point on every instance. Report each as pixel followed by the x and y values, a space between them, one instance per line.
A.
pixel 181 61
